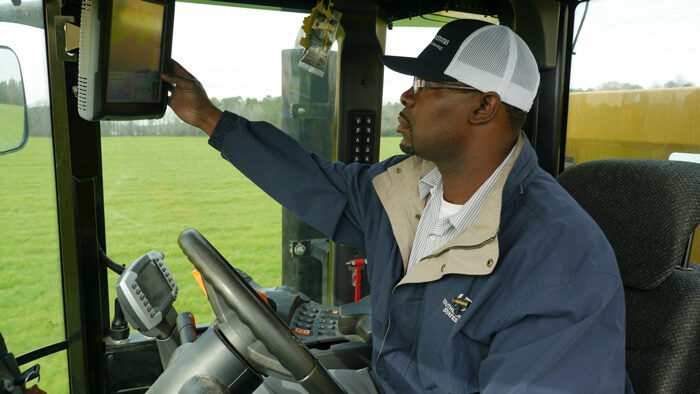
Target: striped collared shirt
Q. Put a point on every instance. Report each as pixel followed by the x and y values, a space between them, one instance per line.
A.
pixel 435 231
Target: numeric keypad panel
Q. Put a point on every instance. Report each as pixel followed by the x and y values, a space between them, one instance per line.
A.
pixel 362 131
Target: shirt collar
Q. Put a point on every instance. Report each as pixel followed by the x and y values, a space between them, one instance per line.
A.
pixel 429 182
pixel 432 182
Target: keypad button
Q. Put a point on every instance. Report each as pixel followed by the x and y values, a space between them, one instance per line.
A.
pixel 133 285
pixel 141 297
pixel 358 120
pixel 302 331
pixel 138 291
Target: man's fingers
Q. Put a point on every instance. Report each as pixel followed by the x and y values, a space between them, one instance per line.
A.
pixel 179 80
pixel 179 70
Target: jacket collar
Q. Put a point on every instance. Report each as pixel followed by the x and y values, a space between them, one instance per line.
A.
pixel 397 189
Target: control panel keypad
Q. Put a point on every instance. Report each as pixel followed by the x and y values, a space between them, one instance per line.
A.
pixel 314 319
pixel 362 126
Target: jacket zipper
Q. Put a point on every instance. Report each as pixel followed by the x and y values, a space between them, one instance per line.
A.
pixel 388 324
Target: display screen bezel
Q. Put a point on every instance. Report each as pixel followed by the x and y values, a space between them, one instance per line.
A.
pixel 135 109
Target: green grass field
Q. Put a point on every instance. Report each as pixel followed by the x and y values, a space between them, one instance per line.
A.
pixel 154 187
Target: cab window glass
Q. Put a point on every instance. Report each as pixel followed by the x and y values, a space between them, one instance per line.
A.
pixel 400 41
pixel 635 84
pixel 161 176
pixel 31 301
pixel 634 91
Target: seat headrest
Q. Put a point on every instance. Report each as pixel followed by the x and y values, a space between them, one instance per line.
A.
pixel 646 208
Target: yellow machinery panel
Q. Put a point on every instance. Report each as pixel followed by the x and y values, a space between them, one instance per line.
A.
pixel 634 124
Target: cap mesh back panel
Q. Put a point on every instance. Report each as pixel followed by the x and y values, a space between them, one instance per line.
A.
pixel 525 69
pixel 487 37
pixel 495 59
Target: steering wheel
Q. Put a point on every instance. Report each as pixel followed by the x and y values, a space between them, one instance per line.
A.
pixel 256 332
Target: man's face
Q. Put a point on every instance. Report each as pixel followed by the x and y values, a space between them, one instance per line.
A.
pixel 434 121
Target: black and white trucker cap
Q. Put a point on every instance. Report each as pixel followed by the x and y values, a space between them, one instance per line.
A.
pixel 488 57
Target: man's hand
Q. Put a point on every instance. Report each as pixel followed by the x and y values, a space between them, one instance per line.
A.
pixel 188 99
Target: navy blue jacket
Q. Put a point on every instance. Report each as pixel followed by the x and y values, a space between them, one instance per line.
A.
pixel 547 308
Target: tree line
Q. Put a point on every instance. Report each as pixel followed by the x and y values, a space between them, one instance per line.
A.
pixel 679 82
pixel 11 92
pixel 268 109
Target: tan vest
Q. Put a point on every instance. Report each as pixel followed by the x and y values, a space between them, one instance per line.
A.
pixel 474 251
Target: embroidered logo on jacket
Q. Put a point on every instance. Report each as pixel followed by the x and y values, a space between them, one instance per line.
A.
pixel 454 309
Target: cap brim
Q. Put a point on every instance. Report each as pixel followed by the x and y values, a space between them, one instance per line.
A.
pixel 414 67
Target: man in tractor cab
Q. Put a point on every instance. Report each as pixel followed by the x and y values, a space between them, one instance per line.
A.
pixel 486 275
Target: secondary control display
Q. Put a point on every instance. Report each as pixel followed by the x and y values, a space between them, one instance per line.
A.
pixel 147 291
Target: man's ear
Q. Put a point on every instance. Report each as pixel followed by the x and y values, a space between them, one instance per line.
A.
pixel 488 108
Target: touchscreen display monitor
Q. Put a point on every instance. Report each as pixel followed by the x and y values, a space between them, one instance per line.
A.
pixel 135 52
pixel 153 284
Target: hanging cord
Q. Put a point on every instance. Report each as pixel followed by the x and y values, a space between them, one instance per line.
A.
pixel 118 268
pixel 585 11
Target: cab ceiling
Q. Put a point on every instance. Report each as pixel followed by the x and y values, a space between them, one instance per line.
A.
pixel 390 10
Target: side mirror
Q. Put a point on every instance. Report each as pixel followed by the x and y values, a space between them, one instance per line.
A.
pixel 14 130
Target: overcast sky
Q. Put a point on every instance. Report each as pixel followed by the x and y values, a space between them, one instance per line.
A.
pixel 237 52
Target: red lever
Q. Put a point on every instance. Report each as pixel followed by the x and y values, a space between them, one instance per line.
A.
pixel 357 277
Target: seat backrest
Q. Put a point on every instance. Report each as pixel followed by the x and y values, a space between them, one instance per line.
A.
pixel 648 210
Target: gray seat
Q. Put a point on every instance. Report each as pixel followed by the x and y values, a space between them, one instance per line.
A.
pixel 648 210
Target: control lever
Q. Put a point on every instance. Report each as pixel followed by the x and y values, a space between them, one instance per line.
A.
pixel 26 376
pixel 186 328
pixel 185 333
pixel 356 265
pixel 11 379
